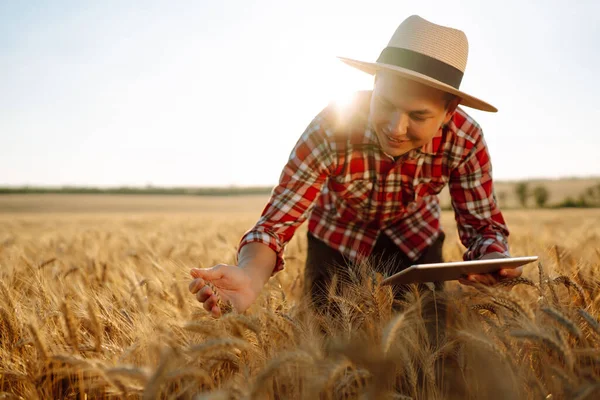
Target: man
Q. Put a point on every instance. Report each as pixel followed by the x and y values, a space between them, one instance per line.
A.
pixel 367 178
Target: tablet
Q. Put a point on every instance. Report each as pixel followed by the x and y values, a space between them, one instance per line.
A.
pixel 450 271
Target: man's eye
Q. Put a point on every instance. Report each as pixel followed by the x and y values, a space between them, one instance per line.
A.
pixel 418 118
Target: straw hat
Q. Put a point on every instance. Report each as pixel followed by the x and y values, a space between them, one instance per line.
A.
pixel 431 54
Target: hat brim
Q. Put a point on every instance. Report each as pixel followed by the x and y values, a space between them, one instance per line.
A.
pixel 466 99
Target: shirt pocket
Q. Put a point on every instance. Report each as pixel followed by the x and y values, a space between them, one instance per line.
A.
pixel 356 193
pixel 429 187
pixel 413 192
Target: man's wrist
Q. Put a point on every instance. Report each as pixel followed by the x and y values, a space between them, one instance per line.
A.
pixel 493 255
pixel 255 276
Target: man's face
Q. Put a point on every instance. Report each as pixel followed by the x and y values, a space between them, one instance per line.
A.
pixel 406 114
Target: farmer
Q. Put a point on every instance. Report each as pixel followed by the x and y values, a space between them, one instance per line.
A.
pixel 367 177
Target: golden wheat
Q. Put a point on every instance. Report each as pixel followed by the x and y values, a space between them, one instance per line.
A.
pixel 96 305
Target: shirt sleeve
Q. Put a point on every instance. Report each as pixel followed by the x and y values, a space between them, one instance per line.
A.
pixel 309 164
pixel 480 223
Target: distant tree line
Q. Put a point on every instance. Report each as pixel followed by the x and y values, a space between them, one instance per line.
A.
pixel 588 198
pixel 522 190
pixel 205 191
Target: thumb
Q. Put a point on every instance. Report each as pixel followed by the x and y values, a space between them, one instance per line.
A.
pixel 210 274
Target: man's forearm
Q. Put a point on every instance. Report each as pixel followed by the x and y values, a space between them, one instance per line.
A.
pixel 258 260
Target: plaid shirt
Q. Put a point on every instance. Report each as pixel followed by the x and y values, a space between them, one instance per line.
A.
pixel 338 177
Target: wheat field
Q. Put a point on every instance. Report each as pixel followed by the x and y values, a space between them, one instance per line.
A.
pixel 94 303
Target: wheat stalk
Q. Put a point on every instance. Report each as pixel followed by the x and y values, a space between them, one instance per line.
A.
pixel 286 328
pixel 71 325
pixel 298 357
pixel 6 295
pixel 485 306
pixel 241 322
pixel 563 320
pixel 340 368
pixel 563 351
pixel 586 391
pixel 391 331
pixel 198 375
pixel 47 262
pixel 96 327
pixel 409 368
pixel 485 342
pixel 39 344
pixel 220 344
pixel 135 373
pixel 225 307
pixel 152 386
pixel 514 306
pixel 565 280
pixel 515 282
pixel 592 322
pixel 204 327
pixel 7 326
pixel 70 271
pixel 542 279
pixel 179 295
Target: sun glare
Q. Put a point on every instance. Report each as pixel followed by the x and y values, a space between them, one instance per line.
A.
pixel 343 99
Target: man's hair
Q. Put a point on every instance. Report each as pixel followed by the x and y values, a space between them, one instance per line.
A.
pixel 448 98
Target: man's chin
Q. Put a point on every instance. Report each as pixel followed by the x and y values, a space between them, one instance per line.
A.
pixel 395 152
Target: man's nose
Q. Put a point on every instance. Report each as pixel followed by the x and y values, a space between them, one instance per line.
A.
pixel 398 123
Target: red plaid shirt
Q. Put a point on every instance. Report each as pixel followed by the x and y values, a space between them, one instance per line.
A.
pixel 338 177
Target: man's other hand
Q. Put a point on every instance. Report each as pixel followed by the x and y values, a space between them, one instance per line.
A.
pixel 495 277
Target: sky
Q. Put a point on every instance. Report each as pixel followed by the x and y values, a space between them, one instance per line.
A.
pixel 216 93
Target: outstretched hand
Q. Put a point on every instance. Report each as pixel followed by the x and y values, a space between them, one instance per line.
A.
pixel 492 278
pixel 233 286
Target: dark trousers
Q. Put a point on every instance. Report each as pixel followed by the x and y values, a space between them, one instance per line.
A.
pixel 322 262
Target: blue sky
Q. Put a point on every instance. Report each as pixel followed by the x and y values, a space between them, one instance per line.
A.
pixel 217 92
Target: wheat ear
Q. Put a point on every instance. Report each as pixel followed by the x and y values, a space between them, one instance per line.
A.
pixel 71 325
pixel 592 322
pixel 568 282
pixel 96 326
pixel 391 331
pixel 7 297
pixel 550 343
pixel 7 326
pixel 225 307
pixel 300 357
pixel 563 320
pixel 37 340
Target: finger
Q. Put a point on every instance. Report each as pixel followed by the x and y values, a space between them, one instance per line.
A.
pixel 210 274
pixel 215 311
pixel 484 279
pixel 511 273
pixel 488 279
pixel 196 285
pixel 465 281
pixel 210 303
pixel 195 272
pixel 204 294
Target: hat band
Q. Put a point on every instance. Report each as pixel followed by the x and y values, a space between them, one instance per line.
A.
pixel 422 64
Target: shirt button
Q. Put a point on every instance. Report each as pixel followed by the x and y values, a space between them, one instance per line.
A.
pixel 389 196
